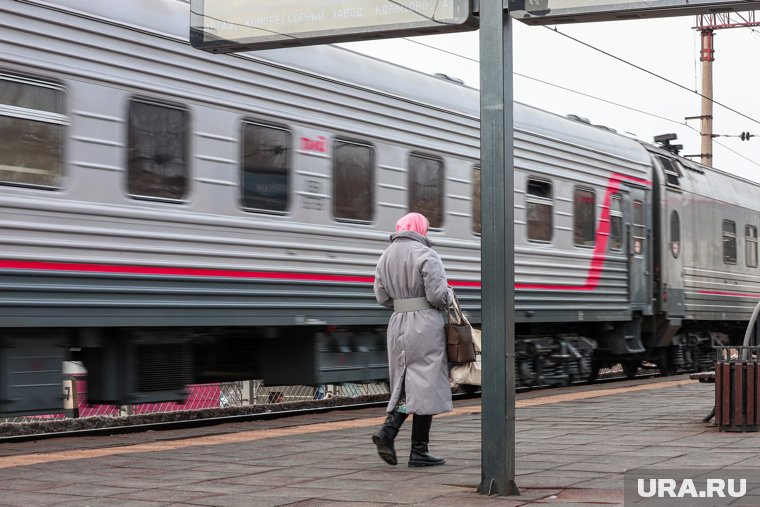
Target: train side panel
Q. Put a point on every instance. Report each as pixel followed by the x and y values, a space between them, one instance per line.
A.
pixel 203 259
pixel 198 280
pixel 721 216
pixel 576 274
pixel 706 261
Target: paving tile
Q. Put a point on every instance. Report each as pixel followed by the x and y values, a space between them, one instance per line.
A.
pixel 602 482
pixel 613 496
pixel 244 500
pixel 110 502
pixel 88 490
pixel 546 480
pixel 27 499
pixel 167 496
pixel 586 466
pixel 316 502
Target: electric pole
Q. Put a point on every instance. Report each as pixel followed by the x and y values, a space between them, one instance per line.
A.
pixel 707 24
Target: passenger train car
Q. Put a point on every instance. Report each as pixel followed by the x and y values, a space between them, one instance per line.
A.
pixel 169 216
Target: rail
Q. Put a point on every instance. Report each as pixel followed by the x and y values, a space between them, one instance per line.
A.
pixel 284 403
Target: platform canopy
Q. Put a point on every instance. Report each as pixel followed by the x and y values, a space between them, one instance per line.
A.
pixel 226 26
pixel 550 12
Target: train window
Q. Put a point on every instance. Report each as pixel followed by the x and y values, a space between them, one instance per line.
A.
pixel 675 234
pixel 265 171
pixel 539 210
pixel 353 179
pixel 33 131
pixel 157 156
pixel 476 223
pixel 584 217
pixel 639 228
pixel 426 188
pixel 750 237
pixel 616 223
pixel 729 241
pixel 672 171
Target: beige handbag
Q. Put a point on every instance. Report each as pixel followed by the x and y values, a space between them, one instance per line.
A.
pixel 469 373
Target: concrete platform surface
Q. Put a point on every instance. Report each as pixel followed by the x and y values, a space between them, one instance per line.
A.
pixel 572 447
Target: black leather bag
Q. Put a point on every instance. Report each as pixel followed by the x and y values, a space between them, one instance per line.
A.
pixel 459 345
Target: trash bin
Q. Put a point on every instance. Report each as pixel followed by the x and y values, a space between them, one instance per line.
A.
pixel 737 385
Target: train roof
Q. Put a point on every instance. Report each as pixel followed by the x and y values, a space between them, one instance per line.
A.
pixel 712 182
pixel 171 19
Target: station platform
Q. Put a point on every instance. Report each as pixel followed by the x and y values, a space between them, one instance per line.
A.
pixel 573 445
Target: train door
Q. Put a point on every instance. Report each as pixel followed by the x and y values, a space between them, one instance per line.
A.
pixel 639 250
pixel 672 287
pixel 672 295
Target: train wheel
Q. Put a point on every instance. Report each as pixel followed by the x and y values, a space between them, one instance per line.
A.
pixel 469 389
pixel 664 363
pixel 631 367
pixel 596 366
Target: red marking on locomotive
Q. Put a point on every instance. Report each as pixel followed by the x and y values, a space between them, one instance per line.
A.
pixel 600 246
pixel 172 271
pixel 319 144
pixel 728 294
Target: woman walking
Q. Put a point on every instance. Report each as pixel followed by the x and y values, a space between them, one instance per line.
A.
pixel 410 278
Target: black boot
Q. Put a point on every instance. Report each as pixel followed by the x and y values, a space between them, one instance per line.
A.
pixel 420 457
pixel 384 437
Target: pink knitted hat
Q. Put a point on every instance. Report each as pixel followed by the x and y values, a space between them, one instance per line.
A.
pixel 413 222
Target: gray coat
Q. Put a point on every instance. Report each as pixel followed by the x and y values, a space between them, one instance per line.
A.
pixel 410 268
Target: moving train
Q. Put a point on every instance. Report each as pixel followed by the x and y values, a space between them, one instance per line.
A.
pixel 169 216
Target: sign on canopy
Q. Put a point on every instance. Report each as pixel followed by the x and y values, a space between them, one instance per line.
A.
pixel 225 26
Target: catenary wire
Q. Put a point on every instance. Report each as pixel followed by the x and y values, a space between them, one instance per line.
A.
pixel 556 85
pixel 724 146
pixel 555 30
pixel 682 123
pixel 597 98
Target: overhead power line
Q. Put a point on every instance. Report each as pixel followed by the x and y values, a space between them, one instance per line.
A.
pixel 441 50
pixel 638 67
pixel 600 99
pixel 738 154
pixel 605 53
pixel 554 85
pixel 682 123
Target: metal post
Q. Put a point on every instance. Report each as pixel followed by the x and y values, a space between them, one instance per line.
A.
pixel 246 393
pixel 497 250
pixel 70 398
pixel 706 130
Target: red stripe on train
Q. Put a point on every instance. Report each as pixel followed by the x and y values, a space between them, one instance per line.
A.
pixel 209 273
pixel 172 271
pixel 592 278
pixel 600 246
pixel 729 294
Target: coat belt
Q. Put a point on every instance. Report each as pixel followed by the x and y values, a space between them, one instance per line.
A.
pixel 410 305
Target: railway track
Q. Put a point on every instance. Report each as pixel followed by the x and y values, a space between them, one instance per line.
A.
pixel 100 425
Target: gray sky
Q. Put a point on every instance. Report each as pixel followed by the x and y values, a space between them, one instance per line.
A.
pixel 668 47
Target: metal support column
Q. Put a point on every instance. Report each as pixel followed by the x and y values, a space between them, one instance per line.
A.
pixel 707 57
pixel 497 250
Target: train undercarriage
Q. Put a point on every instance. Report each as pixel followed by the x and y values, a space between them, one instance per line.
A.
pixel 551 359
pixel 143 365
